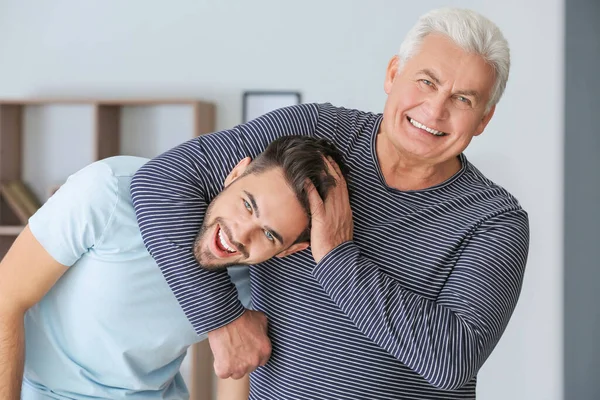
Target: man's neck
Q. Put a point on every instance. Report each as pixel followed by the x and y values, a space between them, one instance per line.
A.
pixel 405 173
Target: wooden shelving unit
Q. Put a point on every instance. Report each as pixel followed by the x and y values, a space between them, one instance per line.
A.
pixel 9 230
pixel 106 127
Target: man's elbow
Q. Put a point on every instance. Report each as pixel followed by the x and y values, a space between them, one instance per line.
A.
pixel 451 383
pixel 451 378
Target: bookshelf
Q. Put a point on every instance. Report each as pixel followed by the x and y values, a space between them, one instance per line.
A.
pixel 106 126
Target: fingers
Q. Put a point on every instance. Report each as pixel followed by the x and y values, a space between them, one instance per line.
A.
pixel 330 164
pixel 314 199
pixel 266 355
pixel 240 374
pixel 245 366
pixel 221 371
pixel 265 349
pixel 335 171
pixel 241 346
pixel 335 166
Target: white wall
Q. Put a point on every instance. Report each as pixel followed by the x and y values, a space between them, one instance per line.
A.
pixel 333 51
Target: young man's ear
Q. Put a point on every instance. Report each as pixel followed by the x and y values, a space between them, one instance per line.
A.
pixel 293 249
pixel 237 171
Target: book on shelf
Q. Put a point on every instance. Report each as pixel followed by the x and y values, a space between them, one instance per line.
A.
pixel 20 199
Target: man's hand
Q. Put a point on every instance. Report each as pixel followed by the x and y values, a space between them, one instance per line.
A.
pixel 240 346
pixel 331 220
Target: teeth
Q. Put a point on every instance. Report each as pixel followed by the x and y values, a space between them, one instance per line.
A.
pixel 224 243
pixel 426 128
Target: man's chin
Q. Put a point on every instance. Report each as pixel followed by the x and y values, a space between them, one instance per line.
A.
pixel 219 267
pixel 213 266
pixel 208 261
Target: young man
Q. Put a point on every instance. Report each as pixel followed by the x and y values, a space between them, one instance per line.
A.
pixel 85 308
pixel 402 296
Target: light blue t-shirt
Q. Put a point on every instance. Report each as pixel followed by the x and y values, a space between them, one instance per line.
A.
pixel 110 328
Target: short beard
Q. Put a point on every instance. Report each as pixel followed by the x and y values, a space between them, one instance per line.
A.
pixel 206 255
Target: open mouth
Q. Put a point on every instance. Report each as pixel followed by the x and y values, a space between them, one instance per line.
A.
pixel 425 128
pixel 222 246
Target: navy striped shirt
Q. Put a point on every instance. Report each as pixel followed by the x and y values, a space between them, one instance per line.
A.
pixel 409 309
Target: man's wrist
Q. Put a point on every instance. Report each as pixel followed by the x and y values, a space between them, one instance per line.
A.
pixel 236 316
pixel 331 254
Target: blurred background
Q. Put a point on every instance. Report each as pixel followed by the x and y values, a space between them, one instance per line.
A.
pixel 542 144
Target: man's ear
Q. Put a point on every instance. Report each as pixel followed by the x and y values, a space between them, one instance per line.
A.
pixel 296 247
pixel 237 171
pixel 390 74
pixel 484 121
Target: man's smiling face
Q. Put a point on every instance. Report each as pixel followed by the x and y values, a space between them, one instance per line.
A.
pixel 436 102
pixel 256 217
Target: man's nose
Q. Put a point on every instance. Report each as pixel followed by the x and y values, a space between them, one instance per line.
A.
pixel 436 107
pixel 245 230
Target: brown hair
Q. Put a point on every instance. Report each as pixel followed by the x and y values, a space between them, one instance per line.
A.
pixel 300 158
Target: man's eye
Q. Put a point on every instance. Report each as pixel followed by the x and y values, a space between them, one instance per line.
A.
pixel 463 102
pixel 428 83
pixel 269 236
pixel 247 205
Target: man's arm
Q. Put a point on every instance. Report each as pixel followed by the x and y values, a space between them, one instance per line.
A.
pixel 170 196
pixel 71 222
pixel 27 272
pixel 445 340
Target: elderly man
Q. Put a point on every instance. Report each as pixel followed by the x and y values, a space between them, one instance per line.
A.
pixel 416 261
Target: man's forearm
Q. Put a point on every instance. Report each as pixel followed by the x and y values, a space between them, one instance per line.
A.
pixel 12 344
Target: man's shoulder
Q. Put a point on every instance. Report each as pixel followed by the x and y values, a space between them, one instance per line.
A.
pixel 486 191
pixel 103 173
pixel 110 180
pixel 117 166
pixel 107 172
pixel 101 182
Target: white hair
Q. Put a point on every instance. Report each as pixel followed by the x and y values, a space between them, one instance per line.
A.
pixel 472 32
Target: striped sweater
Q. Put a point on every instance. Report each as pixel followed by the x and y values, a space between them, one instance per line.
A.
pixel 409 309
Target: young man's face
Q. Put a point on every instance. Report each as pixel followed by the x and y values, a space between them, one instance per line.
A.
pixel 256 217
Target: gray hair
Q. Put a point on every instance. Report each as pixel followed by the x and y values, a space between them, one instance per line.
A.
pixel 472 32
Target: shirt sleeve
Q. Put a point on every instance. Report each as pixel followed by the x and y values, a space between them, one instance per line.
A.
pixel 172 192
pixel 74 219
pixel 447 340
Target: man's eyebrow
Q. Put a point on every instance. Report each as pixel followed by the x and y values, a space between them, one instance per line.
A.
pixel 257 213
pixel 275 234
pixel 253 202
pixel 431 74
pixel 434 78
